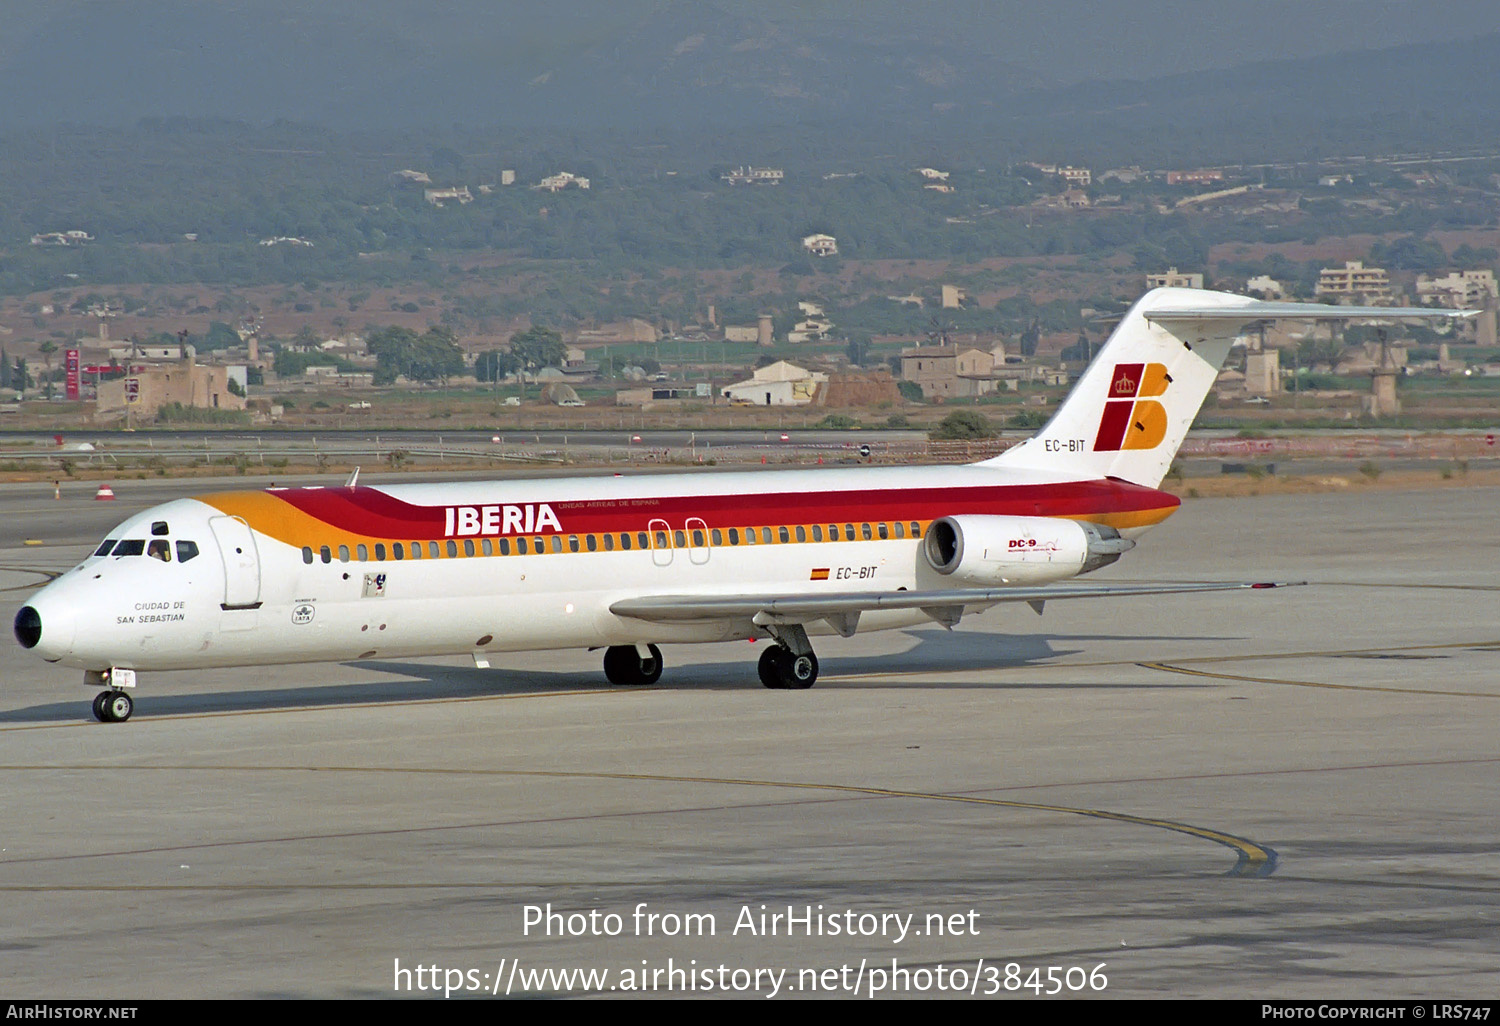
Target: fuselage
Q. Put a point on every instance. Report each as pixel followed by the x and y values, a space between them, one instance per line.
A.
pixel 307 574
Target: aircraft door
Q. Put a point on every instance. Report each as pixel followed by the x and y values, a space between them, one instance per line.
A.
pixel 241 562
pixel 697 539
pixel 661 542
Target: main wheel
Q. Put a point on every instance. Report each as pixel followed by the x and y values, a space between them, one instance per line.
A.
pixel 782 670
pixel 624 666
pixel 770 669
pixel 801 671
pixel 118 707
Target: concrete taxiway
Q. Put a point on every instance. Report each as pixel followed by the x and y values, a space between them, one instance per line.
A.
pixel 1256 794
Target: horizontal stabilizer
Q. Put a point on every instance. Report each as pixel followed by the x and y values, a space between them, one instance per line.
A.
pixel 1260 310
pixel 809 608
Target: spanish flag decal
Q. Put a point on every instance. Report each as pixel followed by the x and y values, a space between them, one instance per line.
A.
pixel 820 574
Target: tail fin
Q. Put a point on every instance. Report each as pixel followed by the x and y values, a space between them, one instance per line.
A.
pixel 1128 414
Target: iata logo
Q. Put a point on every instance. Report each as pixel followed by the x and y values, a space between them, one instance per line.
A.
pixel 1130 420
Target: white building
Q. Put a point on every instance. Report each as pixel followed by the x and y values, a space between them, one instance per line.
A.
pixel 780 384
pixel 820 245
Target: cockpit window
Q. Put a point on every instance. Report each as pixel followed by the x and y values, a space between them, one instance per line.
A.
pixel 130 547
pixel 186 550
pixel 103 550
pixel 158 528
pixel 160 549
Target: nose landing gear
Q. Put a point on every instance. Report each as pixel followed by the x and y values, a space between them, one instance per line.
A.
pixel 112 705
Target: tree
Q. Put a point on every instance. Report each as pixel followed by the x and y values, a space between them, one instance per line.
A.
pixel 494 364
pixel 964 425
pixel 537 347
pixel 47 348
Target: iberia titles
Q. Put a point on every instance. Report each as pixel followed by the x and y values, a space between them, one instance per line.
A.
pixel 528 519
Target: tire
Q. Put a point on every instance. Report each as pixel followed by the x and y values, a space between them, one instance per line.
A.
pixel 118 707
pixel 801 671
pixel 624 667
pixel 99 713
pixel 770 669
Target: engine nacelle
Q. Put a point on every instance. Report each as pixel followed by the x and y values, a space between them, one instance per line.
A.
pixel 990 551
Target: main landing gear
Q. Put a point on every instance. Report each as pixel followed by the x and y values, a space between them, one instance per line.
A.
pixel 624 665
pixel 789 664
pixel 782 669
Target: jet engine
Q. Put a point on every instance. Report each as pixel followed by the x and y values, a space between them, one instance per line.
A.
pixel 989 551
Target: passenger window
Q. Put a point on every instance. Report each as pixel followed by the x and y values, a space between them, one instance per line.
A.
pixel 343 553
pixel 521 546
pixel 538 547
pixel 679 539
pixel 103 550
pixel 817 532
pixel 468 546
pixel 186 550
pixel 783 535
pixel 624 541
pixel 432 549
pixel 159 528
pixel 323 553
pixel 734 536
pixel 487 547
pixel 916 529
pixel 642 541
pixel 801 533
pixel 849 531
pixel 900 529
pixel 504 546
pixel 609 543
pixel 160 549
pixel 398 551
pixel 572 543
pixel 716 536
pixel 130 547
pixel 556 543
pixel 379 551
pixel 865 532
pixel 765 535
pixel 416 550
pixel 885 531
pixel 749 536
pixel 362 552
pixel 453 550
pixel 833 532
pixel 661 539
pixel 307 556
pixel 593 543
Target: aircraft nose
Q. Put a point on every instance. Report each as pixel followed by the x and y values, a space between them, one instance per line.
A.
pixel 48 630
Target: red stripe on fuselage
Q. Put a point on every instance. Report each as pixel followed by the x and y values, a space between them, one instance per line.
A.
pixel 372 512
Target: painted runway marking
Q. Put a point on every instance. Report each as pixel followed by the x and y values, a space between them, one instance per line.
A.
pixel 1253 860
pixel 1169 668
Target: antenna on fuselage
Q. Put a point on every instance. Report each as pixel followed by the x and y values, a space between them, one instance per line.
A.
pixel 353 479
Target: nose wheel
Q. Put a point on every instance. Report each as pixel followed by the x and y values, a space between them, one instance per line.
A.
pixel 113 707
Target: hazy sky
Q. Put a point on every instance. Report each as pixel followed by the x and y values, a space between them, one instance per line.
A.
pixel 345 61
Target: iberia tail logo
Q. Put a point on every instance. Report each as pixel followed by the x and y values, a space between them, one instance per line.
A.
pixel 1131 420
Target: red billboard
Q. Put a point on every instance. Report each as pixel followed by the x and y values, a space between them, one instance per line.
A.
pixel 72 366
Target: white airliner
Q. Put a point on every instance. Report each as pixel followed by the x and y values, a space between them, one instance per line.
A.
pixel 289 575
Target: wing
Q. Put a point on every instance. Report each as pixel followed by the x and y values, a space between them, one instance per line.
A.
pixel 842 611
